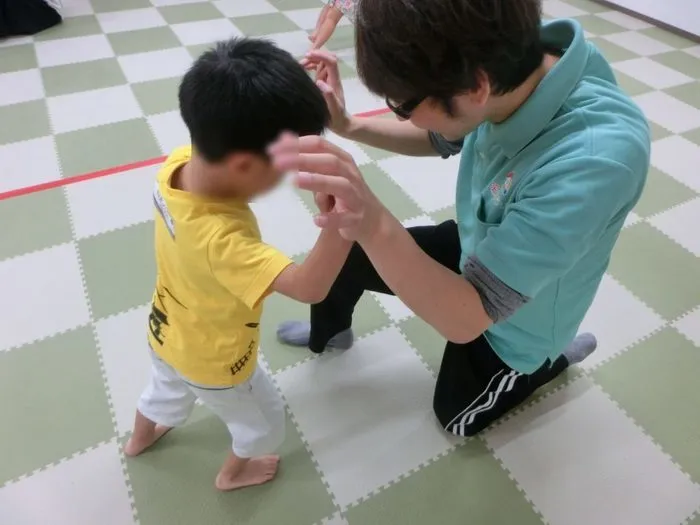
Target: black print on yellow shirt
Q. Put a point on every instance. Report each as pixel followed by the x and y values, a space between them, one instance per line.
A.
pixel 240 364
pixel 156 320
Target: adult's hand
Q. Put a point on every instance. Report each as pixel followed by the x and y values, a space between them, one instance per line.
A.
pixel 331 173
pixel 328 81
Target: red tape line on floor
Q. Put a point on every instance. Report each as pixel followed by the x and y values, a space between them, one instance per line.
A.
pixel 50 185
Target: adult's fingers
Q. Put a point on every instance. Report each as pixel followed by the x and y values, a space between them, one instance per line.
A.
pixel 340 188
pixel 317 144
pixel 336 220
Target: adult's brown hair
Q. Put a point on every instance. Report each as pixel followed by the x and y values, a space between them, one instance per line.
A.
pixel 409 49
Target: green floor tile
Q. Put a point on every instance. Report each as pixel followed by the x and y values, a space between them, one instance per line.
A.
pixel 599 26
pixel 588 5
pixel 18 58
pixel 143 40
pixel 375 153
pixel 71 27
pixel 94 149
pixel 260 25
pixel 157 96
pixel 612 52
pixel 688 93
pixel 174 482
pixel 195 12
pixel 277 309
pixel 632 86
pixel 343 38
pixel 119 269
pixel 478 490
pixel 427 342
pixel 30 120
pixel 30 213
pixel 389 193
pixel 658 132
pixel 693 136
pixel 445 214
pixel 84 76
pixel 197 50
pixel 668 38
pixel 105 6
pixel 52 402
pixel 680 61
pixel 661 193
pixel 655 382
pixel 657 270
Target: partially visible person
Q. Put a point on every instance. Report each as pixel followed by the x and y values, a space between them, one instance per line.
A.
pixel 554 156
pixel 213 269
pixel 331 15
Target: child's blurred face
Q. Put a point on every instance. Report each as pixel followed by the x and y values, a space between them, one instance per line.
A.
pixel 252 175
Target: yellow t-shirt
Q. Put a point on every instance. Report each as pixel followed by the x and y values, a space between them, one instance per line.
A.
pixel 213 272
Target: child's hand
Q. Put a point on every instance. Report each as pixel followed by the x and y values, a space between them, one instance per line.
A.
pixel 328 81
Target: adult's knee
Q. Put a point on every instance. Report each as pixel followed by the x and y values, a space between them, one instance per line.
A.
pixel 452 423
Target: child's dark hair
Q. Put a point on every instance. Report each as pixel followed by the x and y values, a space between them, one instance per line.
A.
pixel 240 95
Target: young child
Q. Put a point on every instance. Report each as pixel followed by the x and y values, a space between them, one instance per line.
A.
pixel 213 270
pixel 328 20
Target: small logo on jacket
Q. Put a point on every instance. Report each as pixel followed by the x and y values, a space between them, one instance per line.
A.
pixel 499 192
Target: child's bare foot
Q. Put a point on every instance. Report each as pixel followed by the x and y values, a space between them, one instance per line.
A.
pixel 256 471
pixel 137 444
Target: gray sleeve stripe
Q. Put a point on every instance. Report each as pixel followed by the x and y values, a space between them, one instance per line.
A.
pixel 446 148
pixel 500 300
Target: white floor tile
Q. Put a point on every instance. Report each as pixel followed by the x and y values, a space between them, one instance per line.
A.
pixel 152 65
pixel 28 163
pixel 160 3
pixel 73 50
pixel 233 8
pixel 98 206
pixel 358 99
pixel 336 519
pixel 679 158
pixel 581 460
pixel 205 32
pixel 87 489
pixel 21 86
pixel 430 182
pixel 304 18
pixel 125 354
pixel 92 108
pixel 294 42
pixel 76 8
pixel 632 219
pixel 284 221
pixel 16 41
pixel 422 220
pixel 559 9
pixel 695 51
pixel 628 22
pixel 367 427
pixel 689 326
pixel 681 225
pixel 130 20
pixel 669 112
pixel 350 146
pixel 618 319
pixel 652 73
pixel 35 303
pixel 170 131
pixel 638 43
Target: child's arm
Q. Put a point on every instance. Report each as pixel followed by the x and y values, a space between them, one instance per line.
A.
pixel 325 30
pixel 310 281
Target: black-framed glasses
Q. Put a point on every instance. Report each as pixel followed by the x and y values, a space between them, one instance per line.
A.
pixel 405 109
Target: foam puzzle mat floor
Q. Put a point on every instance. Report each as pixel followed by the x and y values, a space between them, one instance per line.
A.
pixel 615 441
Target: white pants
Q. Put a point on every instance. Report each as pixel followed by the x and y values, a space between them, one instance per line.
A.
pixel 252 411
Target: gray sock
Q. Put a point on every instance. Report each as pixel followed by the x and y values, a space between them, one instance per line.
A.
pixel 580 348
pixel 296 333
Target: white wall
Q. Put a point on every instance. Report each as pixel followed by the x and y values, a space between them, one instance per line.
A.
pixel 683 14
